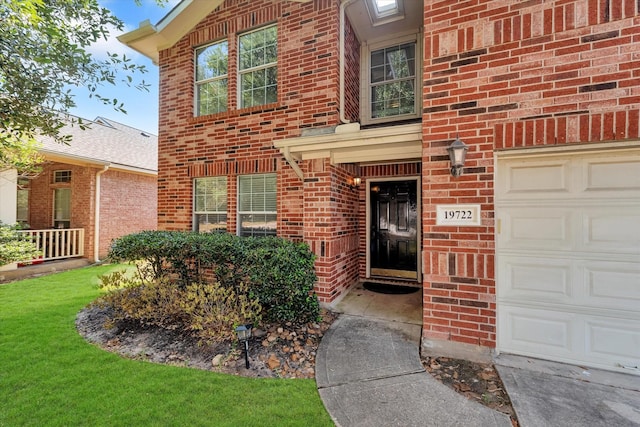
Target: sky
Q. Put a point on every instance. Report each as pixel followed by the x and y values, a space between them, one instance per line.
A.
pixel 141 106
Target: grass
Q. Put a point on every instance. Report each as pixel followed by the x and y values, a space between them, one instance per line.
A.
pixel 50 376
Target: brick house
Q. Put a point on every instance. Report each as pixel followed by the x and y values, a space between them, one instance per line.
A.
pixel 273 111
pixel 99 187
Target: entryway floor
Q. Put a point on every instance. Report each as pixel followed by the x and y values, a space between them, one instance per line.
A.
pixel 403 308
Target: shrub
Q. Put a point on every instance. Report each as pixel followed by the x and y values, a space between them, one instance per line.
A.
pixel 15 246
pixel 209 312
pixel 282 278
pixel 279 273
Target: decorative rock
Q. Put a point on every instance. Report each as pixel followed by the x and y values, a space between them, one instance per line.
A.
pixel 273 362
pixel 217 360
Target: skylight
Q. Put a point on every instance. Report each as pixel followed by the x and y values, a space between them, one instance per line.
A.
pixel 385 11
pixel 386 6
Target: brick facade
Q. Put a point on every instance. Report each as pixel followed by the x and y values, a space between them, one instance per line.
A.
pixel 504 75
pixel 497 74
pixel 127 203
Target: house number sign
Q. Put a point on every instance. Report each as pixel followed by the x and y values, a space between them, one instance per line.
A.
pixel 458 215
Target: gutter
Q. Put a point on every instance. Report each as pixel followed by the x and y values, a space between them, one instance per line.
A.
pixel 96 225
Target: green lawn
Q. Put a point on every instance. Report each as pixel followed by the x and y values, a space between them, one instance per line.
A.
pixel 49 376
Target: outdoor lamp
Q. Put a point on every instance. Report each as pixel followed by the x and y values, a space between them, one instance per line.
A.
pixel 356 181
pixel 457 153
pixel 244 333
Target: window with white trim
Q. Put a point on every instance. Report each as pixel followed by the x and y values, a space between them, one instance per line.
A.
pixel 61 176
pixel 210 204
pixel 22 205
pixel 62 208
pixel 392 77
pixel 258 67
pixel 257 205
pixel 212 68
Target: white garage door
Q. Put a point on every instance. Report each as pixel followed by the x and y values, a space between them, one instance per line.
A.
pixel 568 257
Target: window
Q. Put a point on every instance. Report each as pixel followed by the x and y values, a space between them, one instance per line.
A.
pixel 392 81
pixel 211 78
pixel 257 205
pixel 62 208
pixel 258 71
pixel 22 207
pixel 210 204
pixel 61 176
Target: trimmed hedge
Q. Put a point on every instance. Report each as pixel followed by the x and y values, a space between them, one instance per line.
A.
pixel 279 272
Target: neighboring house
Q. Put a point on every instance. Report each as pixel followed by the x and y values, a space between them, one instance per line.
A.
pixel 99 187
pixel 271 111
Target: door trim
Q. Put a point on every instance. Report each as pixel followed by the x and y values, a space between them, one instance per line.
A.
pixel 417 180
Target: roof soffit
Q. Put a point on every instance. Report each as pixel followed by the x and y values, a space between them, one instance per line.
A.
pixel 149 39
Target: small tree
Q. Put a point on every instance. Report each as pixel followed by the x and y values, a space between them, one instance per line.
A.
pixel 15 246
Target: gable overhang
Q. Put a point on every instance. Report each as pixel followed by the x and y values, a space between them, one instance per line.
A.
pixel 150 39
pixel 384 144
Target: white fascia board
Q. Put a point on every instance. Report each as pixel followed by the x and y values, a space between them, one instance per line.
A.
pixel 150 39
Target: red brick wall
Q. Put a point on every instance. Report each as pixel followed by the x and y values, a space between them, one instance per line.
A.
pixel 128 204
pixel 331 225
pixel 243 139
pixel 82 200
pixel 501 75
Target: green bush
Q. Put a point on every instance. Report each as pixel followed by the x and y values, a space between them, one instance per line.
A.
pixel 279 273
pixel 210 312
pixel 15 246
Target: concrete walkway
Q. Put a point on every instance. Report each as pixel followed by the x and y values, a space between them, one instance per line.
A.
pixel 369 373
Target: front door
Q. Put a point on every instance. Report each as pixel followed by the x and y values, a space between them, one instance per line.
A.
pixel 394 229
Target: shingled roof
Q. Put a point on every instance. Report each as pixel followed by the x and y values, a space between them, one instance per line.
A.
pixel 105 142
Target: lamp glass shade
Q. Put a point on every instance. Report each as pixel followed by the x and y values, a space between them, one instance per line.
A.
pixel 356 181
pixel 457 153
pixel 243 332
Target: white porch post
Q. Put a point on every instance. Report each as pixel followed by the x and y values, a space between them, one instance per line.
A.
pixel 8 195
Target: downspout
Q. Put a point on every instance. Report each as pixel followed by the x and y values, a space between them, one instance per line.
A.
pixel 343 6
pixel 96 225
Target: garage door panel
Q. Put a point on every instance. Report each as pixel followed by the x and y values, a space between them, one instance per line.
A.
pixel 612 229
pixel 613 341
pixel 539 331
pixel 616 177
pixel 612 285
pixel 536 228
pixel 539 279
pixel 531 178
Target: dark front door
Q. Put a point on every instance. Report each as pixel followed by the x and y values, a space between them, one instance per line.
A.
pixel 394 229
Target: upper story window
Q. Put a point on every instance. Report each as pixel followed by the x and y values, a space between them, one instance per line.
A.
pixel 210 204
pixel 392 81
pixel 258 67
pixel 212 78
pixel 61 176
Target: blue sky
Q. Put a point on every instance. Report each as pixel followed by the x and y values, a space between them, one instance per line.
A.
pixel 142 107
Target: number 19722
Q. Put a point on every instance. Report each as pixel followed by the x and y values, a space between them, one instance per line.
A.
pixel 458 214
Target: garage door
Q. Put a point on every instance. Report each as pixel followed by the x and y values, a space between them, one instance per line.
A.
pixel 568 257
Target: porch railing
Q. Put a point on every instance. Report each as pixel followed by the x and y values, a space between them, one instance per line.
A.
pixel 58 243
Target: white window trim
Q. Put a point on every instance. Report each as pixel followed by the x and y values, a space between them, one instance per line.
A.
pixel 197 212
pixel 240 212
pixel 258 68
pixel 60 172
pixel 365 77
pixel 55 191
pixel 197 82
